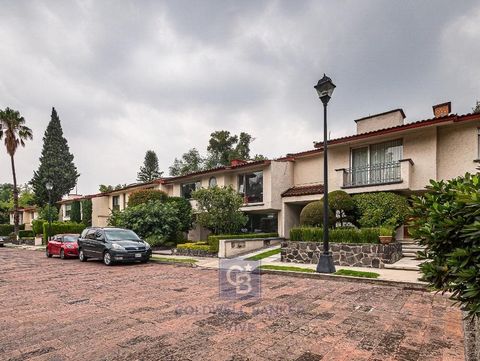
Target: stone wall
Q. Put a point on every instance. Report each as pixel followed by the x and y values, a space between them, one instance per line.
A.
pixel 471 328
pixel 344 254
pixel 193 252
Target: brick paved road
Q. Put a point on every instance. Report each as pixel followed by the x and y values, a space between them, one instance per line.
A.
pixel 65 310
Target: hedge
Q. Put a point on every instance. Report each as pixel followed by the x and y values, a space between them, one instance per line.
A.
pixel 37 226
pixel 201 246
pixel 144 195
pixel 62 227
pixel 26 234
pixel 339 235
pixel 6 229
pixel 213 240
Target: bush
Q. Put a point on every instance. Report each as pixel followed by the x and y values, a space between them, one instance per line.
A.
pixel 61 227
pixel 87 212
pixel 185 213
pixel 37 226
pixel 26 234
pixel 380 209
pixel 200 246
pixel 312 215
pixel 145 195
pixel 446 221
pixel 6 229
pixel 75 215
pixel 49 211
pixel 339 235
pixel 214 239
pixel 342 205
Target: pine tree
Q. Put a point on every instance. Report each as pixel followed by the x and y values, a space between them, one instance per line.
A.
pixel 56 165
pixel 149 171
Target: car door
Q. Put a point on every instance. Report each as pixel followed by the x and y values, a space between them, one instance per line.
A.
pixel 96 241
pixel 88 243
pixel 54 246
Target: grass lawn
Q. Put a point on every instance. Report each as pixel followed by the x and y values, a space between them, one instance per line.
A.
pixel 346 272
pixel 287 268
pixel 174 260
pixel 263 255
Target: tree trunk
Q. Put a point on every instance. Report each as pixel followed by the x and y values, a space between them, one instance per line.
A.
pixel 15 198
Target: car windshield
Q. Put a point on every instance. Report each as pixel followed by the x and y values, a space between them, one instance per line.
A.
pixel 70 239
pixel 121 235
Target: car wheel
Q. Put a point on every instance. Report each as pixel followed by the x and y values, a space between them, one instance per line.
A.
pixel 62 254
pixel 48 254
pixel 107 259
pixel 81 256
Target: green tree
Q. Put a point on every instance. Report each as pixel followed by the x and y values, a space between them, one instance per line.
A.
pixel 75 214
pixel 184 211
pixel 87 212
pixel 145 195
pixel 14 132
pixel 6 194
pixel 149 171
pixel 48 211
pixel 56 165
pixel 259 157
pixel 342 205
pixel 218 209
pixel 190 162
pixel 312 215
pixel 380 209
pixel 109 188
pixel 476 109
pixel 220 148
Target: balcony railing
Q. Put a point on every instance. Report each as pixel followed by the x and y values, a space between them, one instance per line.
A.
pixel 372 175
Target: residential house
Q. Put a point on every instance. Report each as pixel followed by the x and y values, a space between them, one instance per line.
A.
pixel 25 216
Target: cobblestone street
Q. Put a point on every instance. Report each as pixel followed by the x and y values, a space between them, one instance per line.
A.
pixel 54 309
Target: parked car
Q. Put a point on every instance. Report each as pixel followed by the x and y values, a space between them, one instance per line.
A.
pixel 3 240
pixel 63 245
pixel 112 245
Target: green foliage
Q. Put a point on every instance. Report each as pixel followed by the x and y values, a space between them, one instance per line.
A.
pixel 145 195
pixel 446 220
pixel 49 211
pixel 102 188
pixel 380 209
pixel 352 273
pixel 287 268
pixel 219 209
pixel 26 234
pixel 153 218
pixel 75 215
pixel 312 215
pixel 56 165
pixel 213 240
pixel 185 212
pixel 476 108
pixel 6 229
pixel 199 246
pixel 387 231
pixel 342 205
pixel 60 228
pixel 190 162
pixel 87 212
pixel 339 235
pixel 149 171
pixel 37 226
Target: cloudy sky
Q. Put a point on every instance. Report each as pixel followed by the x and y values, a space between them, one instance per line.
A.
pixel 127 76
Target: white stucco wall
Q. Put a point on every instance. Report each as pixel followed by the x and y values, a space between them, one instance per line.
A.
pixel 379 122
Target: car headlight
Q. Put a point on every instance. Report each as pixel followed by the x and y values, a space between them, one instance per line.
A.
pixel 69 246
pixel 117 246
pixel 147 246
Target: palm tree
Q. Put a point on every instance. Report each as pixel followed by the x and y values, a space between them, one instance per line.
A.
pixel 13 129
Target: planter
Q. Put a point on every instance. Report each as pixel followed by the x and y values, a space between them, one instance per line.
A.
pixel 385 239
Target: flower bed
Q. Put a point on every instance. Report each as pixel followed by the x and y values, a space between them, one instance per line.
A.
pixel 198 249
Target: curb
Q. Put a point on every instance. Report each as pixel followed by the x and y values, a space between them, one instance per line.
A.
pixel 417 286
pixel 177 264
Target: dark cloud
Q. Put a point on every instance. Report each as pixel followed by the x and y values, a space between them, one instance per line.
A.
pixel 136 75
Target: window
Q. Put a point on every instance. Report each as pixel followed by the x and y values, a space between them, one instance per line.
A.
pixel 186 189
pixel 212 182
pixel 250 186
pixel 116 203
pixel 261 223
pixel 68 210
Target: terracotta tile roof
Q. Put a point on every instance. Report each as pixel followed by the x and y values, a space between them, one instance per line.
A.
pixel 303 190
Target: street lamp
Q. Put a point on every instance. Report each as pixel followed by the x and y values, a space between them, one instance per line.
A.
pixel 49 187
pixel 325 89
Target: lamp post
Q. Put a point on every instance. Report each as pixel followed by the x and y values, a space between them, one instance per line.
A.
pixel 49 187
pixel 325 89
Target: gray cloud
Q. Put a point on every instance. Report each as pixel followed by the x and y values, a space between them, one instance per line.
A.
pixel 136 75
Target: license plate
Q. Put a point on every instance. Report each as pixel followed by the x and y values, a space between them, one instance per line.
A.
pixel 138 255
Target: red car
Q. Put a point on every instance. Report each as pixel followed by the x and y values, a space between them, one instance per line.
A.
pixel 63 245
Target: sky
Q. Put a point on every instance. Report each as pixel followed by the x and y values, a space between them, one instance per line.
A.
pixel 129 76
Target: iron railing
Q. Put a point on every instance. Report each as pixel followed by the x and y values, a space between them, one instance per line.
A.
pixel 372 174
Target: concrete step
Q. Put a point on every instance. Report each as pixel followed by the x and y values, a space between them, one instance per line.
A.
pixel 405 264
pixel 410 254
pixel 413 248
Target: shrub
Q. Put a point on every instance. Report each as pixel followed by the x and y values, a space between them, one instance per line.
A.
pixel 446 222
pixel 26 234
pixel 6 229
pixel 312 215
pixel 145 195
pixel 75 215
pixel 49 211
pixel 219 209
pixel 200 246
pixel 185 213
pixel 213 240
pixel 380 209
pixel 87 212
pixel 339 235
pixel 342 205
pixel 61 227
pixel 37 226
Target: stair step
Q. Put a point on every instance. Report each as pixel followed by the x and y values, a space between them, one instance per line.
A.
pixel 411 248
pixel 410 254
pixel 402 267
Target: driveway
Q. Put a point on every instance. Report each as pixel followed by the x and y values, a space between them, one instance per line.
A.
pixel 66 310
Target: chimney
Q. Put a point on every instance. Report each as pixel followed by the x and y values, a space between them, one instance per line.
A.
pixel 442 110
pixel 237 162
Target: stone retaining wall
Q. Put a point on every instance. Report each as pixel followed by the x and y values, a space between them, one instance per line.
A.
pixel 471 328
pixel 193 252
pixel 344 254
